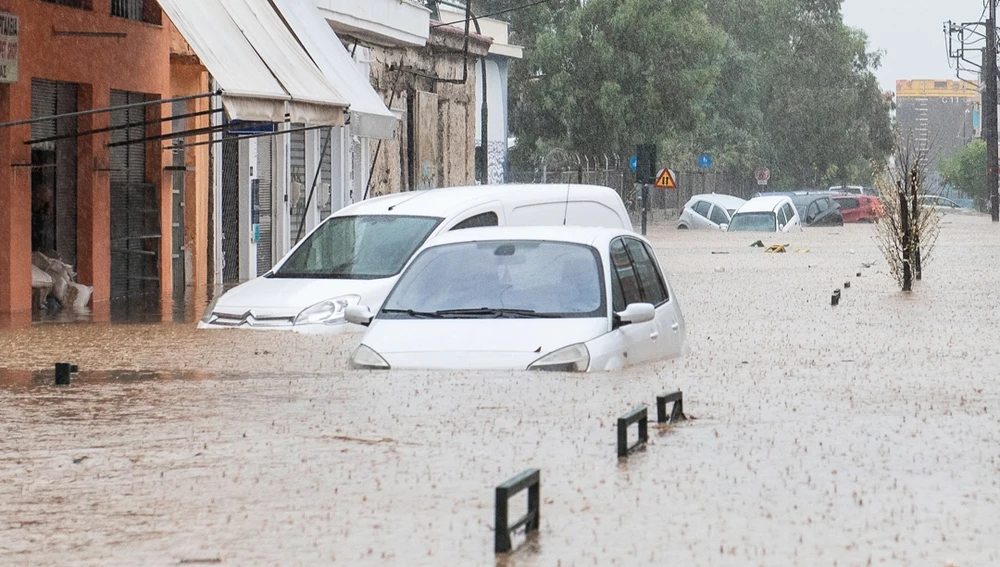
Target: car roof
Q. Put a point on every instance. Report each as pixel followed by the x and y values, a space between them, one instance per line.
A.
pixel 763 204
pixel 450 201
pixel 573 234
pixel 728 201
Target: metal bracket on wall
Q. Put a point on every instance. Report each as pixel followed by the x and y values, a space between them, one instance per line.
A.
pixel 75 33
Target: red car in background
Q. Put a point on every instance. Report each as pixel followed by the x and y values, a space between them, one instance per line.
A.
pixel 859 208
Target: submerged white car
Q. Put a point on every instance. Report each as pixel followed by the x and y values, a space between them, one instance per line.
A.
pixel 356 254
pixel 775 213
pixel 537 298
pixel 711 210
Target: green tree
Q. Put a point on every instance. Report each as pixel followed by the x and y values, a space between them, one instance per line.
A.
pixel 965 170
pixel 614 73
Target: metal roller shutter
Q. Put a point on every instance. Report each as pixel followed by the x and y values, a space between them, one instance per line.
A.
pixel 265 182
pixel 135 216
pixel 298 190
pixel 230 211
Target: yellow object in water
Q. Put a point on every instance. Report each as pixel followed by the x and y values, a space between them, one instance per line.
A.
pixel 775 248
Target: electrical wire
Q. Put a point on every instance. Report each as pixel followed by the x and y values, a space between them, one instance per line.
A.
pixel 501 12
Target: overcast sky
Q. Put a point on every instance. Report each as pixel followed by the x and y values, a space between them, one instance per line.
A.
pixel 910 33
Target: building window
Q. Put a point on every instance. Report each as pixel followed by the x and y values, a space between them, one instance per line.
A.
pixel 139 10
pixel 83 4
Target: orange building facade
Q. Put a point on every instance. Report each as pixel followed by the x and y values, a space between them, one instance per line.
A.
pixel 98 188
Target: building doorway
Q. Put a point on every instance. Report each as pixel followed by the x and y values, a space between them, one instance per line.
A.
pixel 53 170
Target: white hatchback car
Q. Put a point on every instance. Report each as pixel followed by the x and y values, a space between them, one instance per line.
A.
pixel 537 298
pixel 711 211
pixel 766 214
pixel 357 253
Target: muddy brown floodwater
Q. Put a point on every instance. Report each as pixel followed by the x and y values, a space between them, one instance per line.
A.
pixel 862 434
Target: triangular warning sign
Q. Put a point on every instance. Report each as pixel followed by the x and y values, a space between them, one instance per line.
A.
pixel 665 180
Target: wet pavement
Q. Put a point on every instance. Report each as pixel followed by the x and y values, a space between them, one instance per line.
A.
pixel 865 433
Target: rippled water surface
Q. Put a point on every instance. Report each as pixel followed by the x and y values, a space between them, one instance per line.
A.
pixel 864 433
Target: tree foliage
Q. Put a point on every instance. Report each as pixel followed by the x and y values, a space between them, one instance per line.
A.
pixel 964 170
pixel 781 83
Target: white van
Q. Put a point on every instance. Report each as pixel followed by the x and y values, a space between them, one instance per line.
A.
pixel 356 254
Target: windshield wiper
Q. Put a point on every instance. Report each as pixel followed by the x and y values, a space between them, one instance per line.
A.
pixel 412 313
pixel 495 312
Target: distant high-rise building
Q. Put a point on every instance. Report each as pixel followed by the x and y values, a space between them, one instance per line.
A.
pixel 937 116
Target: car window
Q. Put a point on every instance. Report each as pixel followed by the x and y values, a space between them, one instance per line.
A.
pixel 488 218
pixel 650 280
pixel 500 277
pixel 824 204
pixel 752 222
pixel 624 276
pixel 701 207
pixel 789 213
pixel 782 220
pixel 813 210
pixel 848 203
pixel 719 215
pixel 358 247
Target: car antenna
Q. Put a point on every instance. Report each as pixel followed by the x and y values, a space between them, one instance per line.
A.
pixel 566 210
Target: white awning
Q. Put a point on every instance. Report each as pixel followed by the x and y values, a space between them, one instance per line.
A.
pixel 261 68
pixel 369 116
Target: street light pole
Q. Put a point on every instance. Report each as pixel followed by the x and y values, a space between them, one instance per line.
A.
pixel 990 111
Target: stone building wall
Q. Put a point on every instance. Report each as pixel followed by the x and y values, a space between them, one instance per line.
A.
pixel 435 143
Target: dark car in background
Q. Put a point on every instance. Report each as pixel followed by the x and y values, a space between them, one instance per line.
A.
pixel 817 209
pixel 859 208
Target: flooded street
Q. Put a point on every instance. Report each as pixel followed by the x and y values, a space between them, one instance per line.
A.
pixel 867 433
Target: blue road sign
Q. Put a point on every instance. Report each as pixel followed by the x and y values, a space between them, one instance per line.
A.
pixel 705 160
pixel 633 163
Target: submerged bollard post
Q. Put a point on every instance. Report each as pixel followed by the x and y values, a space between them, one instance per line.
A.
pixel 638 415
pixel 531 480
pixel 835 298
pixel 847 285
pixel 676 411
pixel 63 370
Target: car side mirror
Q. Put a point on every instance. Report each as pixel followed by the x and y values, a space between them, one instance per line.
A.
pixel 359 315
pixel 635 313
pixel 723 227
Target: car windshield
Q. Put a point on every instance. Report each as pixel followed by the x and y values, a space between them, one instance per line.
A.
pixel 516 278
pixel 358 247
pixel 753 222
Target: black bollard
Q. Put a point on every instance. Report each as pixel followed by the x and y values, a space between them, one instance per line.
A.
pixel 847 285
pixel 835 298
pixel 63 370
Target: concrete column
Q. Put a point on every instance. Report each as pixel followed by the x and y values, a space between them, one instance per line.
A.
pixel 94 201
pixel 15 207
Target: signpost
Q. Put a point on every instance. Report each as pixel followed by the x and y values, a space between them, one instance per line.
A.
pixel 9 32
pixel 705 161
pixel 633 163
pixel 762 175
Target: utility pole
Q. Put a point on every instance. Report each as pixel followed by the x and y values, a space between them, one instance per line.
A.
pixel 990 111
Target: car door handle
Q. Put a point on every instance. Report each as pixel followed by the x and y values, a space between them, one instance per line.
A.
pixel 675 326
pixel 654 335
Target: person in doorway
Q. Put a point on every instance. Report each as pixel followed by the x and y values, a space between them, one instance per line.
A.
pixel 41 218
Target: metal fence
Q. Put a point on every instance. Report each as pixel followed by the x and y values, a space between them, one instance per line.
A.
pixel 614 172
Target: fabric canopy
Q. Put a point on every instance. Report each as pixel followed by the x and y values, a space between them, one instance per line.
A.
pixel 369 116
pixel 261 68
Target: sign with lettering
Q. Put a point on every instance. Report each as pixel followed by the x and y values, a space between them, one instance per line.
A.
pixel 8 47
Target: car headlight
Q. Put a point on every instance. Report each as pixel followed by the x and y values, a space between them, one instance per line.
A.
pixel 365 357
pixel 574 358
pixel 207 317
pixel 327 312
